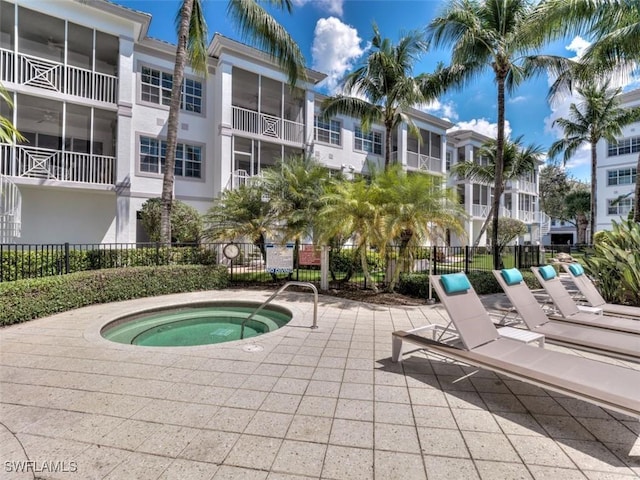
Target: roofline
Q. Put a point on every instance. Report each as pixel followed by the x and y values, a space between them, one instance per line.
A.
pixel 143 18
pixel 220 42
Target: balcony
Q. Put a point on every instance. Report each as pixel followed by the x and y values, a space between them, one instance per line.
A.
pixel 263 125
pixel 424 162
pixel 45 74
pixel 521 186
pixel 480 211
pixel 46 164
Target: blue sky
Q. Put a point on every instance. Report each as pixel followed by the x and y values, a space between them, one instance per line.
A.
pixel 333 36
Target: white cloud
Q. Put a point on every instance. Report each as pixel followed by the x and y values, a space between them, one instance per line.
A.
pixel 578 45
pixel 482 126
pixel 333 7
pixel 446 110
pixel 336 47
pixel 518 99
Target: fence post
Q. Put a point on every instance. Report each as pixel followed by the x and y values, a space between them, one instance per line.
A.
pixel 66 257
pixel 467 251
pixel 324 268
pixel 435 256
pixel 157 254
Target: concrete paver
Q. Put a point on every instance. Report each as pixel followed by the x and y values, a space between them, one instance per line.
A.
pixel 294 404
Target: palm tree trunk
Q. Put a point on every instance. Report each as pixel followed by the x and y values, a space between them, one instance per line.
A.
pixel 497 189
pixel 594 181
pixel 387 148
pixel 484 227
pixel 636 202
pixel 172 123
pixel 365 268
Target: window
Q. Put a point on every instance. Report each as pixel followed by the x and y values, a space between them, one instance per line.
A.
pixel 328 131
pixel 153 153
pixel 156 88
pixel 448 161
pixel 368 142
pixel 622 206
pixel 624 146
pixel 624 176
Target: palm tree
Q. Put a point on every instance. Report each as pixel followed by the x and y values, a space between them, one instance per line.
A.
pixel 597 117
pixel 8 132
pixel 518 161
pixel 241 213
pixel 496 34
pixel 352 210
pixel 416 209
pixel 615 27
pixel 381 89
pixel 257 25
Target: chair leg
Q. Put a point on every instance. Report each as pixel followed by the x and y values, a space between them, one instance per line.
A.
pixel 396 349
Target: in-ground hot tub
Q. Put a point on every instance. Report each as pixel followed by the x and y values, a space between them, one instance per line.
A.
pixel 203 324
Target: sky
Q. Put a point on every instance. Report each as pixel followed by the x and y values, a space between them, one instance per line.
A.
pixel 334 36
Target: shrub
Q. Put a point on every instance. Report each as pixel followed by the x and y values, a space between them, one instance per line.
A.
pixel 484 283
pixel 34 298
pixel 186 223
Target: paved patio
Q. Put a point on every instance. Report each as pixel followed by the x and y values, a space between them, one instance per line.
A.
pixel 294 404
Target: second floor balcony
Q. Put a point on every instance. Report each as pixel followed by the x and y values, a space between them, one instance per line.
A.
pixel 263 125
pixel 47 164
pixel 44 74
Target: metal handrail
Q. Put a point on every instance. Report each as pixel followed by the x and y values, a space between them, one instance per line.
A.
pixel 274 295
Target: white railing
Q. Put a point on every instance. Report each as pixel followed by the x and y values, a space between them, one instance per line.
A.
pixel 424 162
pixel 481 211
pixel 257 123
pixel 528 217
pixel 10 210
pixel 521 186
pixel 54 76
pixel 505 212
pixel 31 162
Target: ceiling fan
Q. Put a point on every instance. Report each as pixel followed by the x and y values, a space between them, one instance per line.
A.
pixel 48 116
pixel 53 44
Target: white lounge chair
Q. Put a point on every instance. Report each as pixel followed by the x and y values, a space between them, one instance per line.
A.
pixel 569 311
pixel 585 337
pixel 480 344
pixel 592 295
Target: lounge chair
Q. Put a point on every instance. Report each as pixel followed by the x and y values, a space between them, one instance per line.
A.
pixel 592 295
pixel 609 342
pixel 569 311
pixel 479 344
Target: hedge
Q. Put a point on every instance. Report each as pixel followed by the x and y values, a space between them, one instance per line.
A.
pixel 484 283
pixel 24 300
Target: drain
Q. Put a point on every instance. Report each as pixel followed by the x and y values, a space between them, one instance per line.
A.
pixel 252 348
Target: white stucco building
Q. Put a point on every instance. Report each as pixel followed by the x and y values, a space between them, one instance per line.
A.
pixel 91 94
pixel 616 170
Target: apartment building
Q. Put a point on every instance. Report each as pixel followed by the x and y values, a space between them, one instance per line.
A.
pixel 519 201
pixel 617 170
pixel 91 93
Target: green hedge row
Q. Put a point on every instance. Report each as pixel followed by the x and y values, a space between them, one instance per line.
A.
pixel 17 264
pixel 34 298
pixel 484 283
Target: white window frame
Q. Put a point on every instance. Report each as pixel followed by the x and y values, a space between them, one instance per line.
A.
pixel 192 97
pixel 158 145
pixel 332 128
pixel 614 181
pixel 623 207
pixel 370 139
pixel 624 146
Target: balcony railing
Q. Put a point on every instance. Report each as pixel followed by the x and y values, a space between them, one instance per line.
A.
pixel 56 77
pixel 43 163
pixel 521 186
pixel 424 162
pixel 265 125
pixel 480 211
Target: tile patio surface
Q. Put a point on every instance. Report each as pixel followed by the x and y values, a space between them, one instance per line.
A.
pixel 325 403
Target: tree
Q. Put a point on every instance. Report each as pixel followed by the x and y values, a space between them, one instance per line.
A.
pixel 518 160
pixel 383 88
pixel 578 206
pixel 496 34
pixel 352 211
pixel 259 27
pixel 241 213
pixel 416 209
pixel 186 223
pixel 597 117
pixel 508 230
pixel 8 132
pixel 553 187
pixel 615 27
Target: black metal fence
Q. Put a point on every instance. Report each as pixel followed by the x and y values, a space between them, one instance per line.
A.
pixel 249 266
